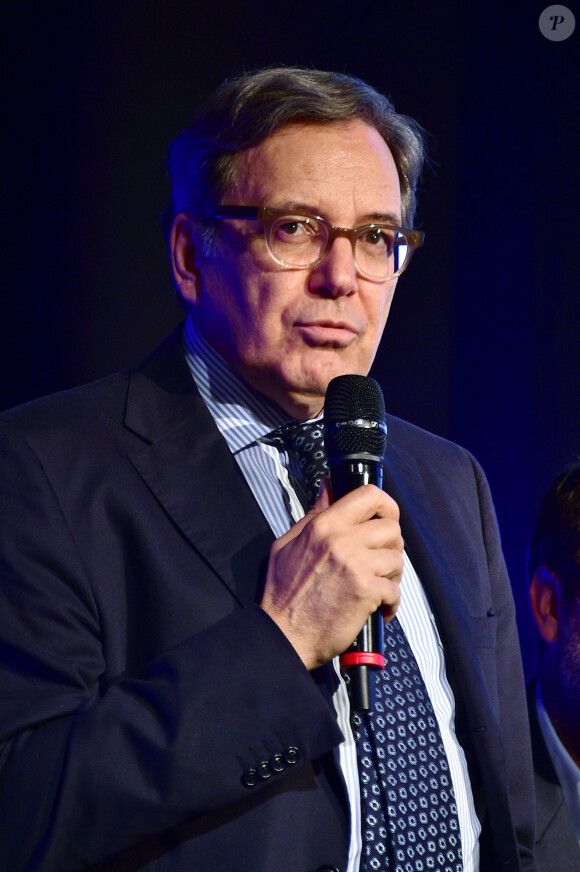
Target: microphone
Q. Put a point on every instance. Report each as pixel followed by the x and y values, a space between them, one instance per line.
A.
pixel 355 438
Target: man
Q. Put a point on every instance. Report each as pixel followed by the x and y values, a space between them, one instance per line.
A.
pixel 170 617
pixel 554 699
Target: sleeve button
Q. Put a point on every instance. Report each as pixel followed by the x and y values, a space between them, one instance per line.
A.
pixel 291 755
pixel 277 763
pixel 264 770
pixel 250 778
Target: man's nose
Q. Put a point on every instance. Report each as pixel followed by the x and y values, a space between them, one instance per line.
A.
pixel 336 274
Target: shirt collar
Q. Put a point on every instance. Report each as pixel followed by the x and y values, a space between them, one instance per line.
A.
pixel 242 414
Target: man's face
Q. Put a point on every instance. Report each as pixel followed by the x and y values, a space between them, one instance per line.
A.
pixel 288 332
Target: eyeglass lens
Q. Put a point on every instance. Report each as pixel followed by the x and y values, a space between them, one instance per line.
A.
pixel 301 241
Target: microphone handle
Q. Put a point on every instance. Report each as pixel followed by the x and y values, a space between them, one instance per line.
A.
pixel 365 656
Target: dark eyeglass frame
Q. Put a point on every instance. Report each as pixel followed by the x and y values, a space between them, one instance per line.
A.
pixel 268 216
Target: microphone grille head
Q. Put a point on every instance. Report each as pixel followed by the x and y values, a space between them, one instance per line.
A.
pixel 354 417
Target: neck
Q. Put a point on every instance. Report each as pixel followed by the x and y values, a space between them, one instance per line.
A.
pixel 301 411
pixel 302 406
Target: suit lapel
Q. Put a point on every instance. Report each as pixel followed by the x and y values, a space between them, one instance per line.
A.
pixel 441 584
pixel 188 466
pixel 405 486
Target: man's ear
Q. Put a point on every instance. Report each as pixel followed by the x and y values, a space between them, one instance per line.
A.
pixel 545 599
pixel 182 247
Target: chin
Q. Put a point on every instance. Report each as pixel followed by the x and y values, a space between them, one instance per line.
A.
pixel 321 375
pixel 313 381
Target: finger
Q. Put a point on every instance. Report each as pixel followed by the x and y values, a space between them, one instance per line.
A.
pixel 386 563
pixel 364 503
pixel 324 498
pixel 382 533
pixel 389 611
pixel 382 590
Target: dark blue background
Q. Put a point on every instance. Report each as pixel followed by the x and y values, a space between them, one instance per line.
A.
pixel 481 345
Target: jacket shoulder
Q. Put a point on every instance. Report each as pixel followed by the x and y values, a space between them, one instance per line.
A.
pixel 70 409
pixel 414 443
pixel 99 403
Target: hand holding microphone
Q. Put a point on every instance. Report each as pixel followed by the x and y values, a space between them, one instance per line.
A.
pixel 343 561
pixel 355 437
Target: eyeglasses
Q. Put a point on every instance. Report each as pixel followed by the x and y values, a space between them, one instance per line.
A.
pixel 380 251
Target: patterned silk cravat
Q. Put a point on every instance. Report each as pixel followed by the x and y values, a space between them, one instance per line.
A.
pixel 408 807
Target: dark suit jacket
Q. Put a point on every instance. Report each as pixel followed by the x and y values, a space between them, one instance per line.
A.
pixel 557 848
pixel 152 716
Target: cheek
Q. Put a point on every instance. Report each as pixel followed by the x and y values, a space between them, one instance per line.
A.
pixel 276 305
pixel 378 308
pixel 264 316
pixel 249 304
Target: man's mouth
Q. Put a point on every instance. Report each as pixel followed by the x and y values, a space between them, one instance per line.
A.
pixel 327 332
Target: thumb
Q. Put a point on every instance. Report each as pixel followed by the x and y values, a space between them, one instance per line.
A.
pixel 324 498
pixel 323 501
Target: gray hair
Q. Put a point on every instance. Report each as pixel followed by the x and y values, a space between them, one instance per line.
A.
pixel 244 111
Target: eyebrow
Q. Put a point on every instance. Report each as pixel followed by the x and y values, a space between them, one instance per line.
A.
pixel 384 217
pixel 370 218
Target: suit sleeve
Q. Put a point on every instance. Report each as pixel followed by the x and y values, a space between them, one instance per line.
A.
pixel 87 770
pixel 513 720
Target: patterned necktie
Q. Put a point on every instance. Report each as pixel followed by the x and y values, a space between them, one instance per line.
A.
pixel 408 803
pixel 304 441
pixel 408 807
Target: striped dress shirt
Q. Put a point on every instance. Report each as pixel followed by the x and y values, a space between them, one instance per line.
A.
pixel 244 417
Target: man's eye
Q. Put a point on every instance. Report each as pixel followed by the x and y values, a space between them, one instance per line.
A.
pixel 295 230
pixel 291 228
pixel 378 238
pixel 295 227
pixel 375 236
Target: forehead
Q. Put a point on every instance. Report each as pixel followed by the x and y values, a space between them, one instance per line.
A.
pixel 332 167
